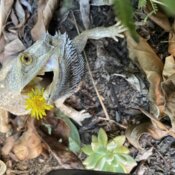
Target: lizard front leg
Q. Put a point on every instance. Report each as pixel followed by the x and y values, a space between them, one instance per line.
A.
pixel 98 33
pixel 77 116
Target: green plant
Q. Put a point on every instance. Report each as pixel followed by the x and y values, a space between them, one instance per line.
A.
pixel 154 5
pixel 124 11
pixel 167 5
pixel 108 156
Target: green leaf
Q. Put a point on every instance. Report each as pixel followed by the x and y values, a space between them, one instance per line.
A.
pixel 109 168
pixel 74 146
pixel 119 140
pixel 121 159
pixel 91 161
pixel 94 139
pixel 48 127
pixel 74 138
pixel 121 150
pixel 124 12
pixel 87 149
pixel 126 162
pixel 169 7
pixel 128 158
pixel 142 3
pixel 97 147
pixel 101 164
pixel 118 167
pixel 102 137
pixel 112 156
pixel 112 145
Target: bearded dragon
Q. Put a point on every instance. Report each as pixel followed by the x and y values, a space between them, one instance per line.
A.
pixel 57 54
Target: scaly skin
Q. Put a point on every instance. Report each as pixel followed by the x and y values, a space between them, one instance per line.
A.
pixel 51 53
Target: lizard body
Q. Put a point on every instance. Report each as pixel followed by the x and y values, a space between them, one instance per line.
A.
pixel 57 54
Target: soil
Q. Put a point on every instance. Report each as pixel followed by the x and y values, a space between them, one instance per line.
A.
pixel 110 66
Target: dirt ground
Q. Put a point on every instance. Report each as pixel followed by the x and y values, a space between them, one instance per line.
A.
pixel 110 66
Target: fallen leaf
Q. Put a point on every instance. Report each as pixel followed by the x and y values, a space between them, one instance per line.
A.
pixel 168 88
pixel 27 4
pixel 3 167
pixel 85 12
pixel 144 155
pixel 134 81
pixel 45 12
pixel 147 60
pixel 14 18
pixel 9 143
pixel 159 18
pixel 134 133
pixel 169 67
pixel 11 47
pixel 29 145
pixel 5 9
pixel 4 121
pixel 65 158
pixel 20 14
pixel 142 169
pixel 58 128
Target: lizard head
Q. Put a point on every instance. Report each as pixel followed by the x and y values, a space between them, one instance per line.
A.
pixel 27 65
pixel 52 54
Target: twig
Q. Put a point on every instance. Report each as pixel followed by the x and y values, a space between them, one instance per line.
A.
pixel 118 124
pixel 91 76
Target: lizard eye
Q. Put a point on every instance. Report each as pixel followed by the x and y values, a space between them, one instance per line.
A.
pixel 26 59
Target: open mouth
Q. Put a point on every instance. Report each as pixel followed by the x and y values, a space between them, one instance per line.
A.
pixel 44 77
pixel 42 80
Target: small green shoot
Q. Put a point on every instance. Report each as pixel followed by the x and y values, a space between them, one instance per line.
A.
pixel 110 156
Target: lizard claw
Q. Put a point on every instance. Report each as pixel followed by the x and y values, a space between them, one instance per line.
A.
pixel 79 116
pixel 116 31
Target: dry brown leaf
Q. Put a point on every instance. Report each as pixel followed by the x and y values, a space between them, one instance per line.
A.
pixel 168 87
pixel 9 143
pixel 159 18
pixel 20 14
pixel 4 121
pixel 59 129
pixel 64 157
pixel 12 45
pixel 45 12
pixel 3 167
pixel 144 155
pixel 147 60
pixel 27 4
pixel 29 145
pixel 5 9
pixel 14 18
pixel 169 67
pixel 85 12
pixel 13 48
pixel 134 133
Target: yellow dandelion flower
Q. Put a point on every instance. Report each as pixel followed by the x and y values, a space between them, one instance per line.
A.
pixel 37 104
